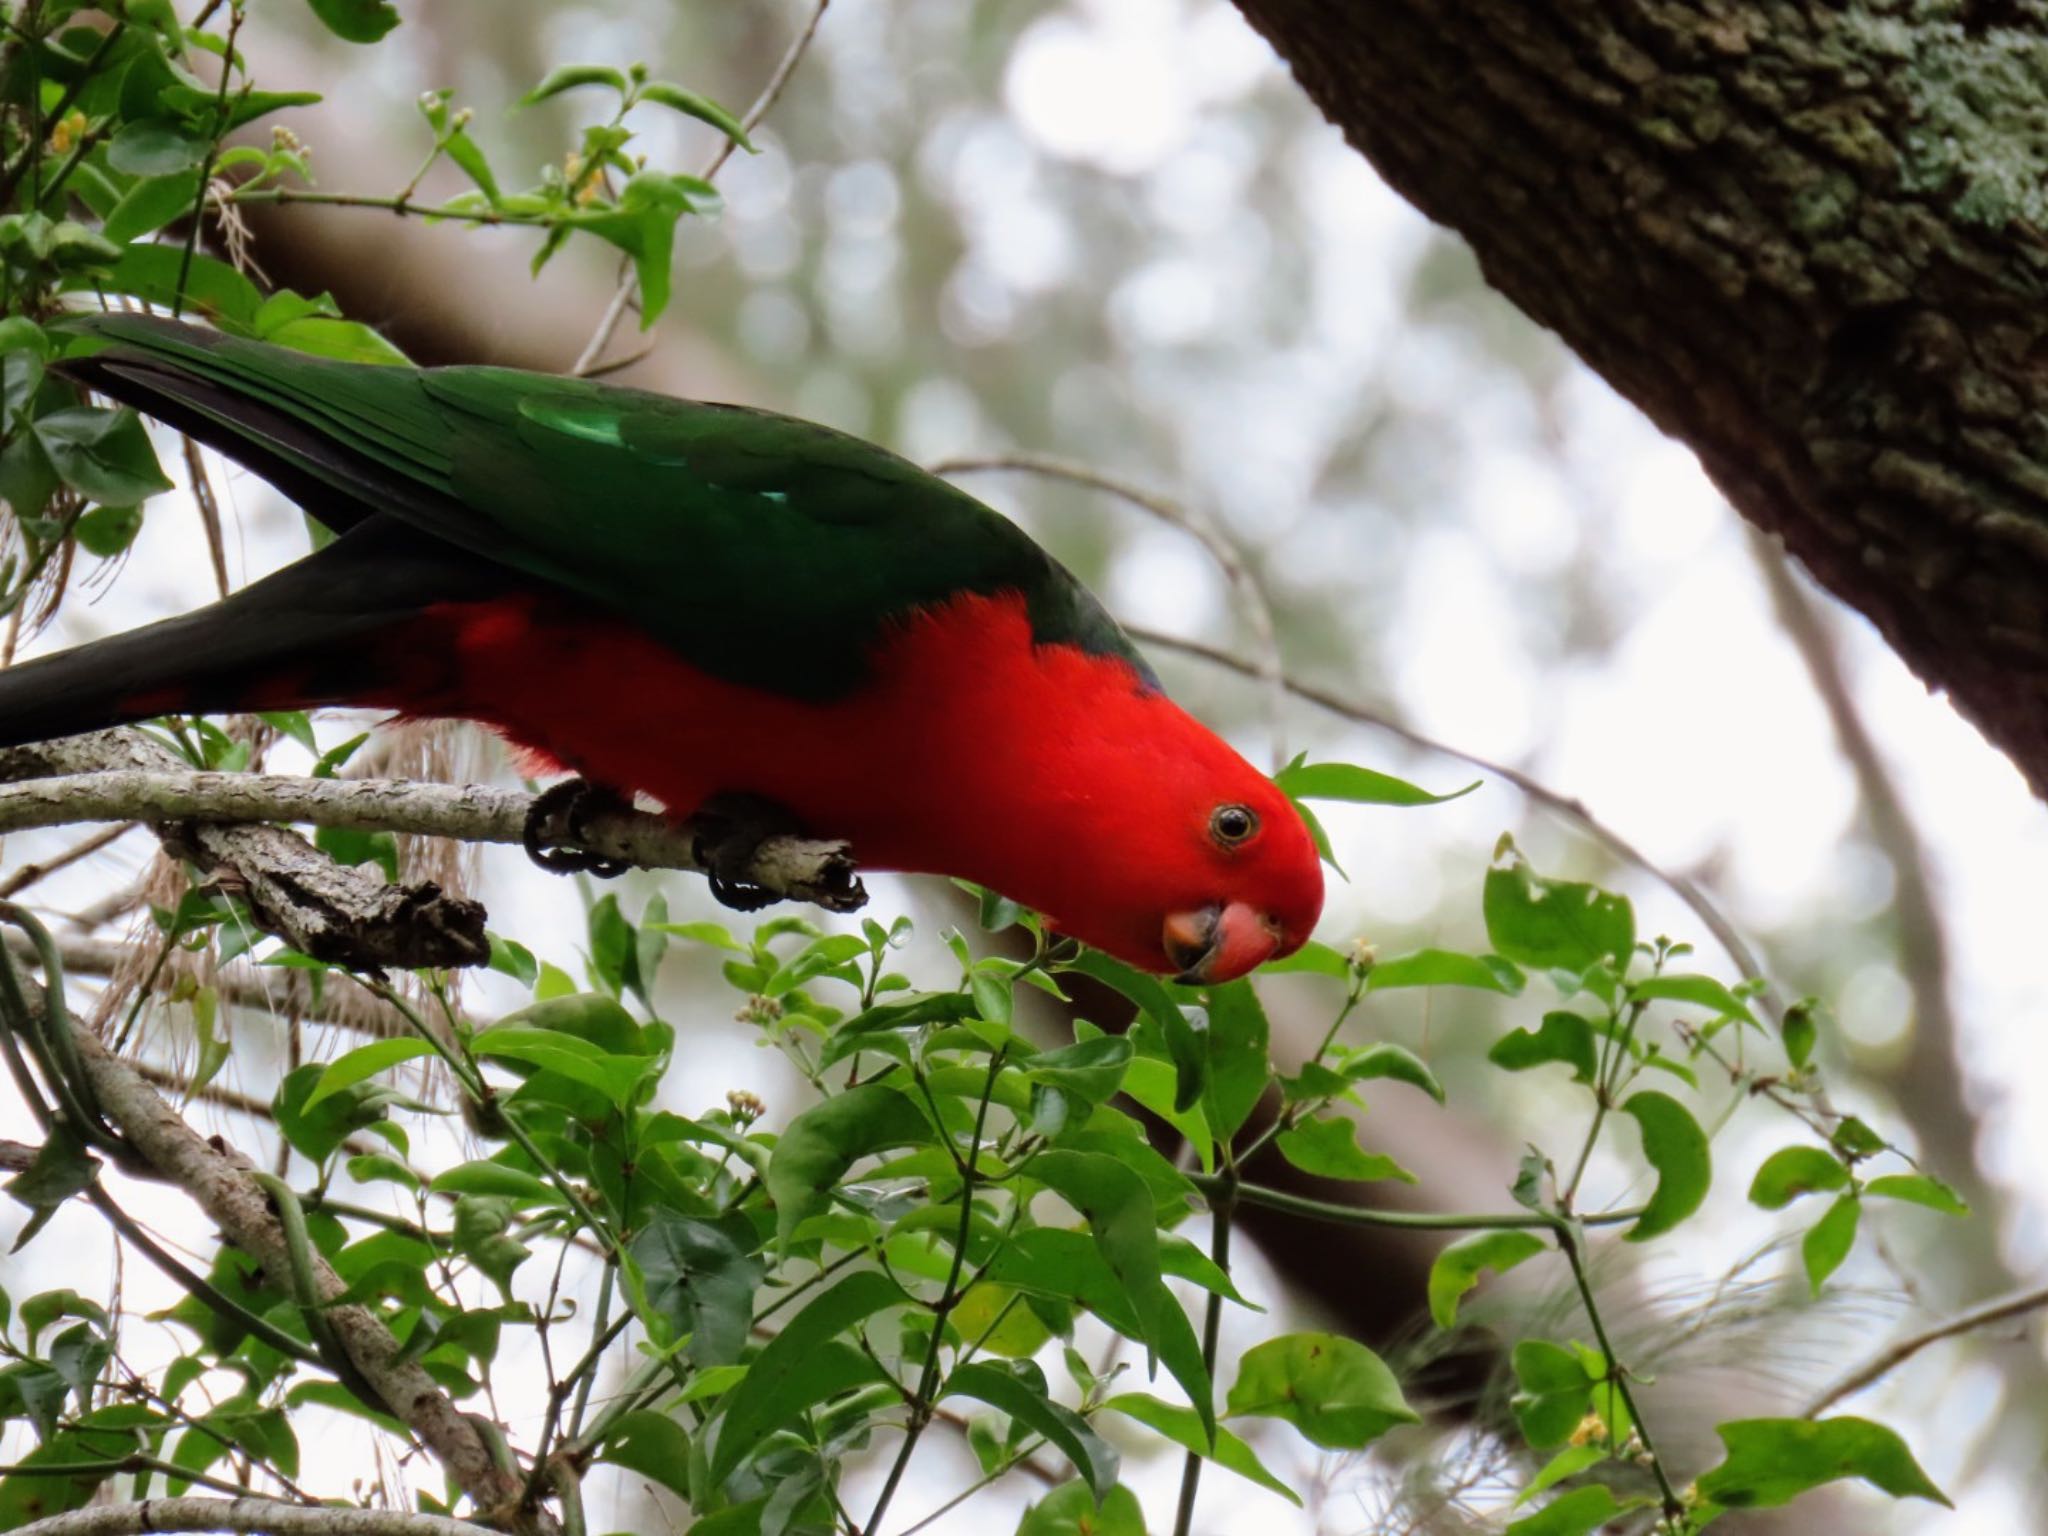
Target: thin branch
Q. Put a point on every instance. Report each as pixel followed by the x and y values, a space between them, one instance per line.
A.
pixel 86 847
pixel 1888 1359
pixel 798 868
pixel 1710 916
pixel 247 1517
pixel 1269 668
pixel 587 361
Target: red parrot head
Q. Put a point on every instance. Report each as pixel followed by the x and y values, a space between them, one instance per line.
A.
pixel 1163 846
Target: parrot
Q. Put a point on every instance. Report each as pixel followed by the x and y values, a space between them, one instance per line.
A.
pixel 691 601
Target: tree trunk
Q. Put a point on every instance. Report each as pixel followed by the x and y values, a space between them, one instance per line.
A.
pixel 1805 236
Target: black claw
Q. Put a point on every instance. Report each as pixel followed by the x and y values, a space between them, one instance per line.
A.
pixel 570 804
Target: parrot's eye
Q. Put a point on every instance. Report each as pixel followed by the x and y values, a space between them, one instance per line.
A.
pixel 1232 824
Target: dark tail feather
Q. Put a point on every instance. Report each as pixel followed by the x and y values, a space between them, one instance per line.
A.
pixel 329 629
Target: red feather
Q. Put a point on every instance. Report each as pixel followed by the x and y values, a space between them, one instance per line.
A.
pixel 1051 775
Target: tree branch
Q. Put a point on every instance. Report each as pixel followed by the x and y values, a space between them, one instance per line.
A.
pixel 346 915
pixel 219 1180
pixel 1892 1356
pixel 588 362
pixel 1715 921
pixel 253 1516
pixel 320 908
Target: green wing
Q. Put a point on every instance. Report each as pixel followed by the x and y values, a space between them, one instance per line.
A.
pixel 766 550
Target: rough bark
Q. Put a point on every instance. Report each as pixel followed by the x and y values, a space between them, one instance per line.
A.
pixel 320 908
pixel 347 915
pixel 217 1178
pixel 1806 238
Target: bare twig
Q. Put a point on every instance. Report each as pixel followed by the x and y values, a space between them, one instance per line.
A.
pixel 800 868
pixel 1888 1359
pixel 587 361
pixel 1574 810
pixel 250 1516
pixel 1269 668
pixel 84 848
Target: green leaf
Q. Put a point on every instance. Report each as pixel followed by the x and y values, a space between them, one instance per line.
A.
pixel 1772 1461
pixel 1574 1514
pixel 215 289
pixel 700 1278
pixel 569 77
pixel 482 1234
pixel 642 223
pixel 149 205
pixel 1234 1047
pixel 617 1077
pixel 1563 1037
pixel 1338 1393
pixel 1457 1267
pixel 1117 1205
pixel 365 1062
pixel 1700 991
pixel 1388 1060
pixel 1090 1070
pixel 1800 1031
pixel 1569 1462
pixel 1791 1172
pixel 103 455
pixel 1329 1149
pixel 653 1445
pixel 1828 1241
pixel 61 1168
pixel 1183 1426
pixel 1189 1059
pixel 487 1177
pixel 1093 1457
pixel 801 1366
pixel 1358 786
pixel 1072 1510
pixel 690 104
pixel 1447 968
pixel 317 1131
pixel 1855 1140
pixel 356 21
pixel 825 1140
pixel 1556 1392
pixel 1677 1148
pixel 1314 957
pixel 156 147
pixel 1555 924
pixel 1920 1189
pixel 103 1436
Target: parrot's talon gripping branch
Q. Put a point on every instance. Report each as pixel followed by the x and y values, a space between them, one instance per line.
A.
pixel 732 835
pixel 556 833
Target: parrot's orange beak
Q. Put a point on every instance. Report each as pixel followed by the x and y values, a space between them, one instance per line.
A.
pixel 1215 944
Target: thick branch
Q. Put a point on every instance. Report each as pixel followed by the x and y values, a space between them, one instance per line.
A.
pixel 218 1179
pixel 1803 236
pixel 320 908
pixel 256 1517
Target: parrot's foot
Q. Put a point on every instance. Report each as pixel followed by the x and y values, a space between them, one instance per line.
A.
pixel 554 830
pixel 731 830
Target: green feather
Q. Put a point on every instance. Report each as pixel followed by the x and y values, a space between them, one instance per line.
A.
pixel 765 550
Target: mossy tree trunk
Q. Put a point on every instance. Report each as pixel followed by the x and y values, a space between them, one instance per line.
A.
pixel 1809 239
